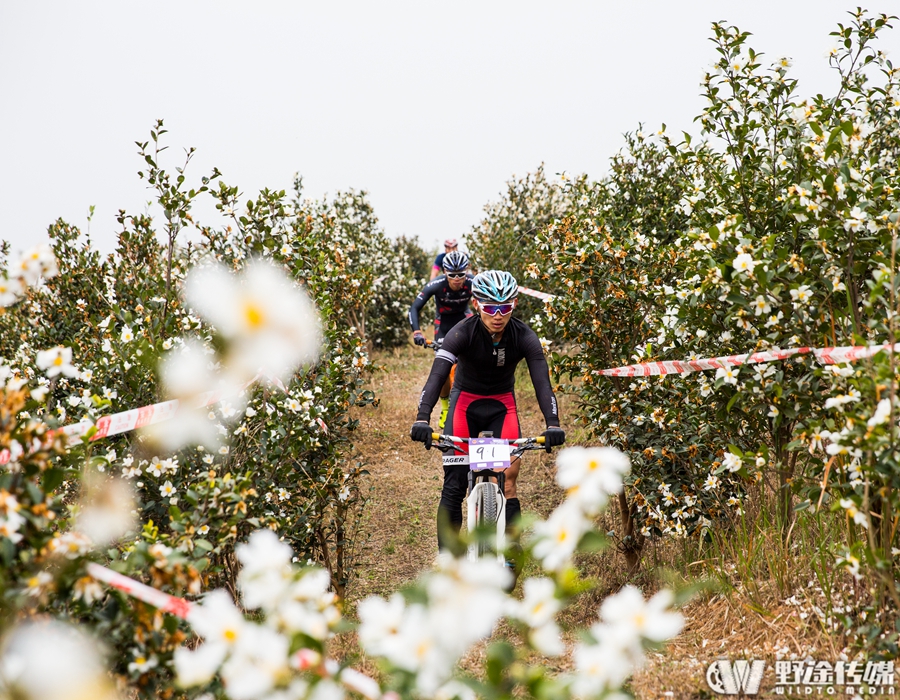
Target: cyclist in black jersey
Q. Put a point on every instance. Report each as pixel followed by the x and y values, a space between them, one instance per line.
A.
pixel 452 292
pixel 487 348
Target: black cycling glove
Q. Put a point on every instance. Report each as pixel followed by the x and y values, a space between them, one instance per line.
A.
pixel 421 432
pixel 553 437
pixel 419 338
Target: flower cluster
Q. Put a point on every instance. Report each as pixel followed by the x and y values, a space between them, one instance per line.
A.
pixel 28 271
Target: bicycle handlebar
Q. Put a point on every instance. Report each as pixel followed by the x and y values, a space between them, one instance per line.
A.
pixel 521 441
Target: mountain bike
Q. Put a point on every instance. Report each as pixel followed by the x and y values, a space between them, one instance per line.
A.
pixel 488 459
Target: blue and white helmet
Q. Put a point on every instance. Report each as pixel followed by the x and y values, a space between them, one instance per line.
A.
pixel 455 261
pixel 495 287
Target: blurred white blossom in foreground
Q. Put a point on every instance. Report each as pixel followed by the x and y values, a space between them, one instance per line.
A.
pixel 27 271
pixel 465 601
pixel 253 659
pixel 616 649
pixel 52 661
pixel 589 475
pixel 188 375
pixel 419 637
pixel 268 321
pixel 107 510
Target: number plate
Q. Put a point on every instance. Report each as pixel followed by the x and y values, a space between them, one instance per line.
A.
pixel 488 453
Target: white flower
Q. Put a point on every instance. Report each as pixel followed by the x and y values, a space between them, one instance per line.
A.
pixel 744 263
pixel 858 516
pixel 732 462
pixel 266 572
pixel 141 663
pixel 590 475
pixel 839 400
pixel 761 306
pixel 222 627
pixel 269 322
pixel 801 295
pixel 634 619
pixel 882 413
pixel 34 264
pixel 127 335
pixel 56 361
pixel 44 660
pixel 167 490
pixel 599 667
pixel 107 510
pixel 11 290
pixel 186 376
pixel 258 662
pixel 538 610
pixel 558 536
pixel 728 373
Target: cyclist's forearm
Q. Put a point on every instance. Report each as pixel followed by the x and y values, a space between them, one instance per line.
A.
pixel 440 370
pixel 543 390
pixel 414 313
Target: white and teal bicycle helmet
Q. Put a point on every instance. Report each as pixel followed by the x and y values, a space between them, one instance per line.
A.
pixel 494 287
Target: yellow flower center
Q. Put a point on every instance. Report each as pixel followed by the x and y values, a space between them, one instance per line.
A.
pixel 593 464
pixel 230 635
pixel 253 315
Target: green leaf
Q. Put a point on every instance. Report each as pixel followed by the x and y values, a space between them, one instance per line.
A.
pixel 592 541
pixel 52 478
pixel 733 400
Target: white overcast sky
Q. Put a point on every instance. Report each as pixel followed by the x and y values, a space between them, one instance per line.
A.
pixel 429 107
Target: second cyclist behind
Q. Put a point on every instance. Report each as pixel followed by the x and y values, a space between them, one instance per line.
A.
pixel 452 292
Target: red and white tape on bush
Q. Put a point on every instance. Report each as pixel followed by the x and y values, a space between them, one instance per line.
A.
pixel 535 293
pixel 136 418
pixel 162 601
pixel 826 356
pixel 304 659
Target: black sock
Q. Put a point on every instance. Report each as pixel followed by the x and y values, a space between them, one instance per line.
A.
pixel 513 513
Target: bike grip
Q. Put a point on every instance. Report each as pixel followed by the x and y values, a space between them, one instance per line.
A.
pixel 540 440
pixel 435 436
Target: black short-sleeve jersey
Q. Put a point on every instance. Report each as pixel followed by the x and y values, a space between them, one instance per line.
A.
pixel 487 369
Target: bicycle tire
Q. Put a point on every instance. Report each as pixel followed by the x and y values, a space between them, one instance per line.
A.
pixel 486 514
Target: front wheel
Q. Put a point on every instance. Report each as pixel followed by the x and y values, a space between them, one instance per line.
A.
pixel 485 516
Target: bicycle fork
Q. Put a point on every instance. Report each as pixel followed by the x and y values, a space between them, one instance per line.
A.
pixel 486 507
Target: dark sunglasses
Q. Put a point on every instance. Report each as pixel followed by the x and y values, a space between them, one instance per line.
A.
pixel 492 309
pixel 455 275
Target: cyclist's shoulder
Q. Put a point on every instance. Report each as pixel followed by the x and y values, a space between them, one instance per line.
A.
pixel 522 332
pixel 435 285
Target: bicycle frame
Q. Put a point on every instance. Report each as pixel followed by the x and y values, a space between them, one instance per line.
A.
pixel 485 500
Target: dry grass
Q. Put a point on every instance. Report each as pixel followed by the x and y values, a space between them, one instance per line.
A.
pixel 405 486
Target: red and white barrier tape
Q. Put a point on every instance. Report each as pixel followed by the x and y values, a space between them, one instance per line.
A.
pixel 826 356
pixel 162 601
pixel 136 418
pixel 535 293
pixel 304 659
